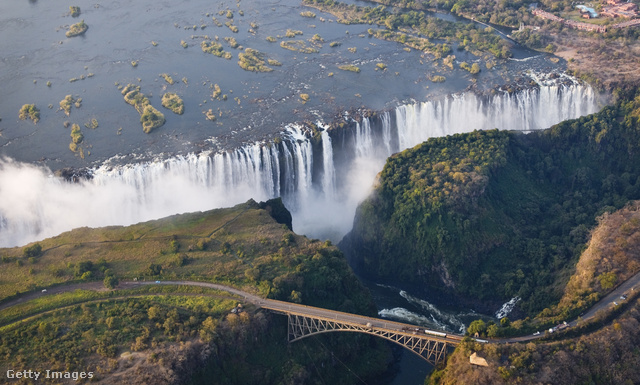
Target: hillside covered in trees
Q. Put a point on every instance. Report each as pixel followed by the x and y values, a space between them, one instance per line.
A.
pixel 493 215
pixel 606 356
pixel 179 334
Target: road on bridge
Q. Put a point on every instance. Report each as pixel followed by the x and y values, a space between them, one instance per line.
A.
pixel 629 286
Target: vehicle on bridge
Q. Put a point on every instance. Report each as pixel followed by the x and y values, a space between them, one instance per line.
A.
pixel 439 334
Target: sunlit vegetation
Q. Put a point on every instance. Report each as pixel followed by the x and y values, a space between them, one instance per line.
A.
pixel 76 137
pixel 415 42
pixel 585 355
pixel 108 332
pixel 317 38
pixel 448 61
pixel 271 39
pixel 350 67
pixel 67 103
pixel 274 62
pixel 352 49
pixel 134 63
pixel 74 10
pixel 232 42
pixel 93 124
pixel 216 91
pixel 335 44
pixel 473 69
pixel 415 28
pixel 150 117
pixel 437 78
pixel 305 98
pixel 297 46
pixel 77 29
pixel 210 115
pixel 292 33
pixel 173 102
pixel 253 60
pixel 381 66
pixel 184 44
pixel 232 27
pixel 154 43
pixel 229 14
pixel 167 78
pixel 308 14
pixel 29 111
pixel 465 199
pixel 215 48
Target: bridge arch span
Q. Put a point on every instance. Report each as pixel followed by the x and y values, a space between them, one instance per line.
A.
pixel 432 349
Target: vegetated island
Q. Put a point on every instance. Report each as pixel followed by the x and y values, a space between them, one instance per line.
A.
pixel 298 46
pixel 29 111
pixel 215 48
pixel 350 68
pixel 173 102
pixel 77 29
pixel 253 60
pixel 68 102
pixel 495 215
pixel 184 334
pixel 150 117
pixel 416 29
pixel 76 138
pixel 74 10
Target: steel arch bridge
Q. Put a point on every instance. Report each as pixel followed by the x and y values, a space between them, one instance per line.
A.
pixel 430 347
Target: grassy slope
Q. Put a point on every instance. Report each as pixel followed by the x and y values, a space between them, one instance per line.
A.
pixel 243 247
pixel 497 214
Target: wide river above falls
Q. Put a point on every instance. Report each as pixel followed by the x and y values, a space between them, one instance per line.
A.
pixel 36 51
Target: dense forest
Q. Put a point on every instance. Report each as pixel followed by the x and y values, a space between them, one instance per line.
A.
pixel 497 214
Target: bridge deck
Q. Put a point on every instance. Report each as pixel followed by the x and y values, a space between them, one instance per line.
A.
pixel 357 320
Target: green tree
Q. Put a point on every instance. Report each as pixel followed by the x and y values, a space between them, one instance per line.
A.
pixel 295 296
pixel 477 326
pixel 154 269
pixel 493 331
pixel 608 280
pixel 32 251
pixel 110 281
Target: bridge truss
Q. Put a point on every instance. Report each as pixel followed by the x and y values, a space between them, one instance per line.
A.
pixel 431 349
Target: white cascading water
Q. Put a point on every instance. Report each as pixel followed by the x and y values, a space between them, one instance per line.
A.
pixel 35 205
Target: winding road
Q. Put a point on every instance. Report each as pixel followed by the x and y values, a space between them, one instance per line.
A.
pixel 613 298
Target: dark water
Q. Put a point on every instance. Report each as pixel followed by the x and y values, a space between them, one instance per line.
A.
pixel 34 48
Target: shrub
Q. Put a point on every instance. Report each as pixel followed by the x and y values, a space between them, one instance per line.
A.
pixel 173 102
pixel 32 251
pixel 77 29
pixel 29 111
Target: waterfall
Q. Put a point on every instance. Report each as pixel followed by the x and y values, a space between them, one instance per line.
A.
pixel 328 167
pixel 322 195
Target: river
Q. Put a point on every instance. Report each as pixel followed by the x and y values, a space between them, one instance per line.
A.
pixel 256 148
